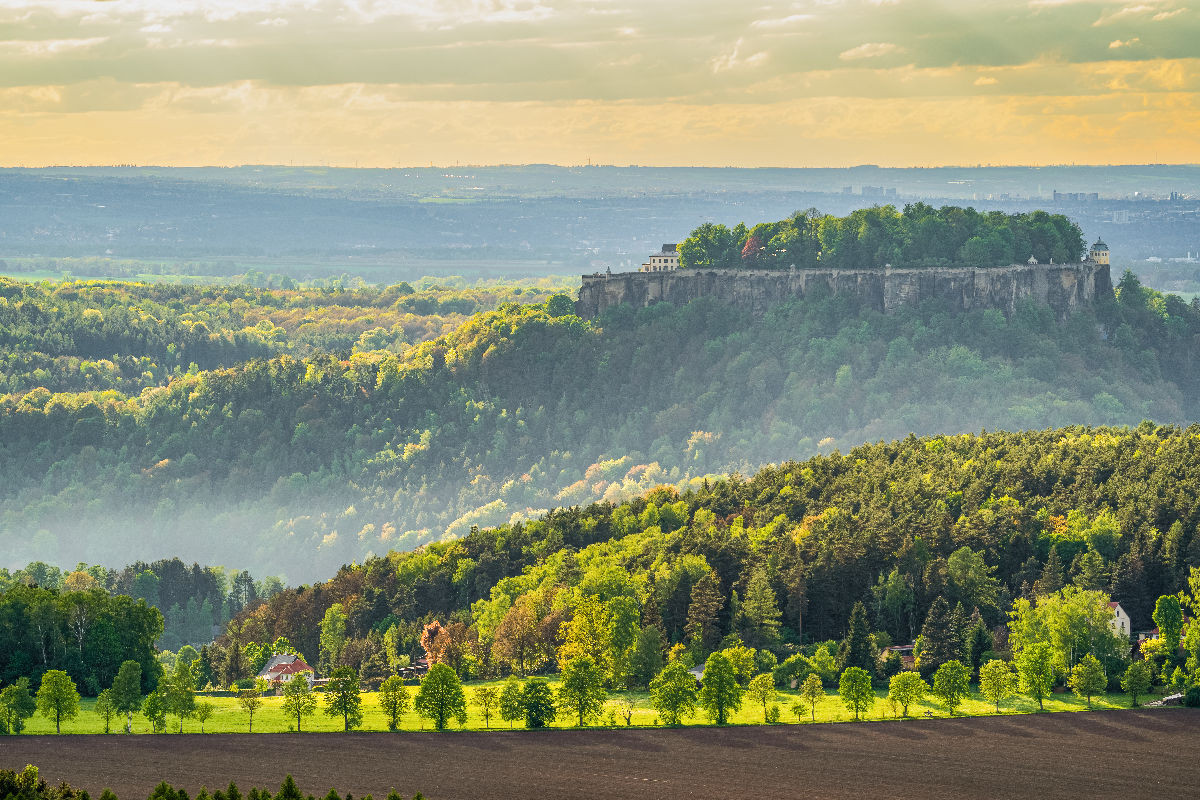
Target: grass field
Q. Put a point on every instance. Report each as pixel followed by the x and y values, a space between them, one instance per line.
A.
pixel 229 716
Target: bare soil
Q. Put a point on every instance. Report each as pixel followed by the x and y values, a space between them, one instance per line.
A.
pixel 1121 754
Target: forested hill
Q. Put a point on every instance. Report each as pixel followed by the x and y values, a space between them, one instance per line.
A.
pixel 974 520
pixel 296 465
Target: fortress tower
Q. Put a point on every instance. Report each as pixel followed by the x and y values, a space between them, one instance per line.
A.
pixel 1099 253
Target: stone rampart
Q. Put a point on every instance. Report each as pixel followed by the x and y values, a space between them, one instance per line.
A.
pixel 1062 287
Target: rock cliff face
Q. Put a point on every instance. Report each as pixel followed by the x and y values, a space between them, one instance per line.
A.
pixel 1062 287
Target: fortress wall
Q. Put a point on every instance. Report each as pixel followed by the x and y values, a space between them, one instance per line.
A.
pixel 1062 287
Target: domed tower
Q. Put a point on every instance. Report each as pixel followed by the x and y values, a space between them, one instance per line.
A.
pixel 1099 252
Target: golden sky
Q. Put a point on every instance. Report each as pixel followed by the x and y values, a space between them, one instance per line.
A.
pixel 664 82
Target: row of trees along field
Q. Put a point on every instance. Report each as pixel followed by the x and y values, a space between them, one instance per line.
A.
pixel 192 600
pixel 29 785
pixel 99 336
pixel 1065 637
pixel 919 236
pixel 964 544
pixel 308 463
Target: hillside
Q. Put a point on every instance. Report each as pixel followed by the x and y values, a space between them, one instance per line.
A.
pixel 901 527
pixel 296 461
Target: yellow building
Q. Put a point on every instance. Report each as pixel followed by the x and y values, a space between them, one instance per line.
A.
pixel 665 260
pixel 1099 253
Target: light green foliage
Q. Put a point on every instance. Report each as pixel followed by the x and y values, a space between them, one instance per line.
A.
pixel 1073 623
pixel 441 697
pixel 742 659
pixel 1088 679
pixel 204 710
pixel 104 708
pixel 646 661
pixel 17 704
pixel 763 692
pixel 57 697
pixel 250 701
pixel 673 693
pixel 343 697
pixel 906 688
pixel 997 682
pixel 179 692
pixel 1136 681
pixel 333 637
pixel 486 698
pixel 854 687
pixel 299 700
pixel 951 684
pixel 581 691
pixel 812 691
pixel 720 693
pixel 1168 616
pixel 154 709
pixel 512 704
pixel 972 578
pixel 1035 666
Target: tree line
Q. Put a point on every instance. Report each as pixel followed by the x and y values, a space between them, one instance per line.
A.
pixel 308 463
pixel 918 236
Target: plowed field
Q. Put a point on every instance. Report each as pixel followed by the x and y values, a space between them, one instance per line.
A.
pixel 1125 754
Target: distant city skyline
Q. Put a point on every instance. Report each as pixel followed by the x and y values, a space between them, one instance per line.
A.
pixel 387 83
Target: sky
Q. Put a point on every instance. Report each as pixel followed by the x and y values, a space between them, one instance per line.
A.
pixel 387 83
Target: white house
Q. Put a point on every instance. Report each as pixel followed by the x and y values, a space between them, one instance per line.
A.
pixel 1120 620
pixel 665 260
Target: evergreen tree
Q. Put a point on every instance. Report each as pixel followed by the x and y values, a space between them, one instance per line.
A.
pixel 941 641
pixel 760 612
pixel 977 642
pixel 857 650
pixel 702 619
pixel 1052 575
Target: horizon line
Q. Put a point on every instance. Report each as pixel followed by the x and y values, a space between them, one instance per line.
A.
pixel 356 167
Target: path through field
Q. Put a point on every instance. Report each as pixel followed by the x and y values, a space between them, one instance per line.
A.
pixel 1123 754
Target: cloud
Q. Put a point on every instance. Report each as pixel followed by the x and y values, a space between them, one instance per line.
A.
pixel 869 50
pixel 735 60
pixel 1117 43
pixel 1162 15
pixel 985 80
pixel 782 22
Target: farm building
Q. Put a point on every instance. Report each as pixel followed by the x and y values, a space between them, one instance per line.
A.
pixel 280 669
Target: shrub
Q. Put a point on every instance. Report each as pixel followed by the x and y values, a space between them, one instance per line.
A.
pixel 1192 698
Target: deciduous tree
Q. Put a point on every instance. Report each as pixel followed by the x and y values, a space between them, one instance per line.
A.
pixel 1136 681
pixel 537 702
pixel 343 698
pixel 812 691
pixel 673 693
pixel 720 694
pixel 512 704
pixel 582 689
pixel 1088 678
pixel 1035 666
pixel 906 688
pixel 104 708
pixel 997 682
pixel 441 697
pixel 299 700
pixel 952 684
pixel 393 700
pixel 486 698
pixel 57 697
pixel 854 687
pixel 250 701
pixel 762 690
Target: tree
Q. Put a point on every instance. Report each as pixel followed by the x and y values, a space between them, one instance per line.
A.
pixel 702 629
pixel 17 704
pixel 762 690
pixel 1136 681
pixel 537 701
pixel 646 661
pixel 673 692
pixel 57 697
pixel 1088 678
pixel 582 689
pixel 560 305
pixel 941 640
pixel 204 710
pixel 518 640
pixel 343 697
pixel 1035 666
pixel 856 649
pixel 154 709
pixel 512 704
pixel 105 709
pixel 127 691
pixel 952 684
pixel 1168 616
pixel 760 612
pixel 299 700
pixel 854 687
pixel 180 692
pixel 250 701
pixel 441 697
pixel 906 688
pixel 485 699
pixel 997 681
pixel 333 637
pixel 720 694
pixel 393 700
pixel 812 691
